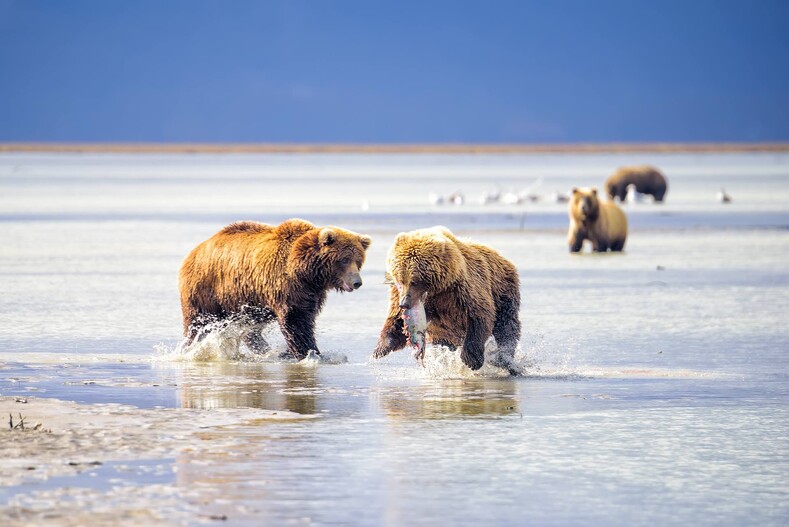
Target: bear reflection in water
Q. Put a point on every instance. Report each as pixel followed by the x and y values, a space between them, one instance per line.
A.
pixel 299 388
pixel 270 386
pixel 453 398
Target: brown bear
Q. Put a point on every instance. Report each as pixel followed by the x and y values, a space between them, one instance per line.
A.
pixel 601 222
pixel 252 273
pixel 469 291
pixel 645 179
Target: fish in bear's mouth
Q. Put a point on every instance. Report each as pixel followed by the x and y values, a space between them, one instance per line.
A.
pixel 415 326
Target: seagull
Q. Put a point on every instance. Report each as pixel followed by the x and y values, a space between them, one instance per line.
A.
pixel 559 198
pixel 457 198
pixel 435 199
pixel 723 197
pixel 490 196
pixel 633 196
pixel 511 198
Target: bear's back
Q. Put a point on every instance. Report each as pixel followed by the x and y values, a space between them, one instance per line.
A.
pixel 246 227
pixel 282 235
pixel 645 174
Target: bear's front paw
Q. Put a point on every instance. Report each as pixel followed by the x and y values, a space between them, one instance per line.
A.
pixel 381 350
pixel 472 360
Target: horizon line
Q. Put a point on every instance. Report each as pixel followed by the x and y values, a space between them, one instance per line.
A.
pixel 391 148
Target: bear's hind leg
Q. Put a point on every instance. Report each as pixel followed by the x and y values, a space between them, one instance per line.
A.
pixel 473 353
pixel 507 332
pixel 618 245
pixel 599 246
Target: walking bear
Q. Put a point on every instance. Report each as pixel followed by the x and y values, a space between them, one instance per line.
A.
pixel 645 179
pixel 469 291
pixel 601 222
pixel 254 273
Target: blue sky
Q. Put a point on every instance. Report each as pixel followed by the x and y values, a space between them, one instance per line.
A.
pixel 394 72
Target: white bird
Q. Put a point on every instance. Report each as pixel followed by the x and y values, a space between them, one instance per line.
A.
pixel 556 197
pixel 490 196
pixel 511 198
pixel 633 196
pixel 435 199
pixel 723 197
pixel 457 198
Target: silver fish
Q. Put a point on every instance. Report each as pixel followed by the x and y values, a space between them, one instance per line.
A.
pixel 415 321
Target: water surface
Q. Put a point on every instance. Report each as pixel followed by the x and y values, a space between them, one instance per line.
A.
pixel 657 385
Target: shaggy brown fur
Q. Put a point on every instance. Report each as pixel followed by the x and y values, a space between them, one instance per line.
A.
pixel 470 292
pixel 645 179
pixel 253 273
pixel 601 222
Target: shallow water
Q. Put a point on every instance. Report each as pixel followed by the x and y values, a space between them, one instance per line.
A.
pixel 656 386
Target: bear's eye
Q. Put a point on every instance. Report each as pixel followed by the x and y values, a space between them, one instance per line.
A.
pixel 346 260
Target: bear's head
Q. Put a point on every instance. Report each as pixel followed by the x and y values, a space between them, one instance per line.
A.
pixel 612 189
pixel 331 257
pixel 423 262
pixel 584 205
pixel 616 187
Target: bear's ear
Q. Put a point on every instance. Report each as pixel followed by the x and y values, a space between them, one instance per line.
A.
pixel 327 236
pixel 365 241
pixel 594 191
pixel 401 237
pixel 574 190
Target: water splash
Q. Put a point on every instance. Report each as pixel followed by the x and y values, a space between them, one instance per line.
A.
pixel 533 359
pixel 325 357
pixel 442 362
pixel 224 342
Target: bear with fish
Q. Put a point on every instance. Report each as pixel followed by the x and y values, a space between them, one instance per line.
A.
pixel 453 293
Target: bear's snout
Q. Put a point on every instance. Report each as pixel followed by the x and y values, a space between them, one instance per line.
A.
pixel 352 279
pixel 405 301
pixel 411 296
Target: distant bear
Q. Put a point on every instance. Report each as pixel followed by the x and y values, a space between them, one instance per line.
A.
pixel 645 179
pixel 601 222
pixel 255 273
pixel 470 292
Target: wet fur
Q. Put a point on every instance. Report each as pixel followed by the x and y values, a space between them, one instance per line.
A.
pixel 605 224
pixel 470 293
pixel 645 179
pixel 255 273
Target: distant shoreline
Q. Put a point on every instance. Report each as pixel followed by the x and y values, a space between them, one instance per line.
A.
pixel 437 148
